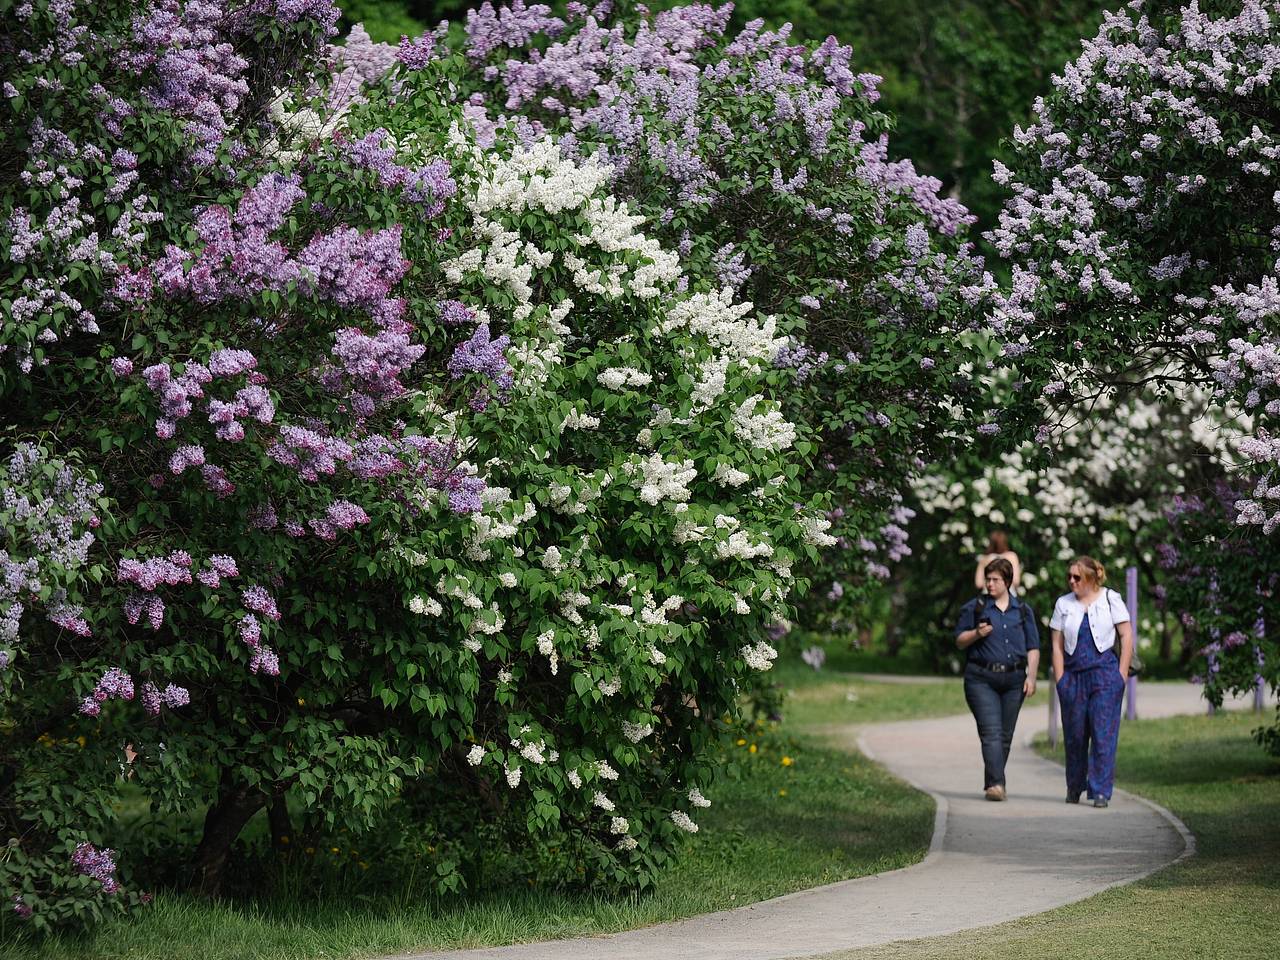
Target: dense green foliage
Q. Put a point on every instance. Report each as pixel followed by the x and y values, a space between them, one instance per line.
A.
pixel 337 896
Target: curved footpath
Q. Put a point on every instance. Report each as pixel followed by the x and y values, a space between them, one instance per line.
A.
pixel 988 863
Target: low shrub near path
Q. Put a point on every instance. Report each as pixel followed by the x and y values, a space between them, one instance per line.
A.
pixel 790 814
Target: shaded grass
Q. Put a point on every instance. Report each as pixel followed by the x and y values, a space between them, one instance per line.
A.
pixel 826 697
pixel 788 815
pixel 1222 903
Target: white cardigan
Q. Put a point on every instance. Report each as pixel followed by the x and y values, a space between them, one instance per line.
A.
pixel 1104 614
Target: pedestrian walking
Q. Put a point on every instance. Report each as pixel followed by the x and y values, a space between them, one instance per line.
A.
pixel 998 547
pixel 1000 634
pixel 1092 649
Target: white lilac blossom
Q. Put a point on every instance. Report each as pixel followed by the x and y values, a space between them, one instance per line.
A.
pixel 683 821
pixel 768 431
pixel 759 655
pixel 603 802
pixel 661 479
pixel 636 732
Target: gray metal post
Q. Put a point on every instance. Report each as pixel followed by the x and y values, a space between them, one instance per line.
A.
pixel 1131 682
pixel 1053 712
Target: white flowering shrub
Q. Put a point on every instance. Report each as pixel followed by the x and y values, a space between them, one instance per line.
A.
pixel 1101 491
pixel 638 518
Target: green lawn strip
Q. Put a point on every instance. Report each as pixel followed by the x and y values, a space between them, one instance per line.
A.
pixel 824 698
pixel 775 827
pixel 1222 903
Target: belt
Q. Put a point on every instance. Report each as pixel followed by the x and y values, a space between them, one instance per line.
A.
pixel 999 667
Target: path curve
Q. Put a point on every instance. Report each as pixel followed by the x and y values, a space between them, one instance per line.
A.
pixel 988 862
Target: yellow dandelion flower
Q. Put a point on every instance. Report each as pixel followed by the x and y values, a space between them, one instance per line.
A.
pixel 752 748
pixel 787 761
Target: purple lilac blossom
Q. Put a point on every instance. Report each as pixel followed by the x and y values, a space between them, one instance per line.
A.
pixel 98 864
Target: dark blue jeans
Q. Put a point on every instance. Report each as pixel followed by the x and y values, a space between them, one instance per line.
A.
pixel 994 699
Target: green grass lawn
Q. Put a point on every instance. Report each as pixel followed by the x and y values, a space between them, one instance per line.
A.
pixel 789 814
pixel 1222 903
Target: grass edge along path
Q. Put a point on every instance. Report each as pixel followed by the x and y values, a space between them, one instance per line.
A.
pixel 792 813
pixel 1219 904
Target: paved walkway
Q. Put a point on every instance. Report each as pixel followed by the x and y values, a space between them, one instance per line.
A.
pixel 989 862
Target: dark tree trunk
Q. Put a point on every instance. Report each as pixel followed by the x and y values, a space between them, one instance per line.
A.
pixel 893 633
pixel 281 826
pixel 222 824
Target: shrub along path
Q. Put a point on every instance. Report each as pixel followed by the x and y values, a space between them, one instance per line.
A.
pixel 990 862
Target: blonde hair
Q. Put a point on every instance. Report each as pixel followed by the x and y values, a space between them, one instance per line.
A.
pixel 1092 569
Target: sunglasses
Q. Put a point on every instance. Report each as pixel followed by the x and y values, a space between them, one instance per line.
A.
pixel 1074 577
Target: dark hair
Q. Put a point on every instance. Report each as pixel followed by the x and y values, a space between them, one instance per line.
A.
pixel 1001 566
pixel 998 542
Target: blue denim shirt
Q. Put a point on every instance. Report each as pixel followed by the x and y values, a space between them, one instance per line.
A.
pixel 1014 630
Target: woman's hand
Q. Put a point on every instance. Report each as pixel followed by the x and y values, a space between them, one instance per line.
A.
pixel 984 630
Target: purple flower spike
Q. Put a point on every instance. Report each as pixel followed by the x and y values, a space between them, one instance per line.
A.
pixel 416 54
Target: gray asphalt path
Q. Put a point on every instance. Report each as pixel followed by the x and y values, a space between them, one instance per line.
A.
pixel 989 862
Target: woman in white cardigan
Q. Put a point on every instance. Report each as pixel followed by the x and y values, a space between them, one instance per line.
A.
pixel 1092 649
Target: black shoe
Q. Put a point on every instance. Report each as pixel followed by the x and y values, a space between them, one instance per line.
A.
pixel 1073 798
pixel 1099 802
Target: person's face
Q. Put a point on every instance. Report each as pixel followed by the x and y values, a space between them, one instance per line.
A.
pixel 996 585
pixel 1076 577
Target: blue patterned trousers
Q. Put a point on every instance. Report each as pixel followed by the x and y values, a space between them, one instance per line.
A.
pixel 1091 702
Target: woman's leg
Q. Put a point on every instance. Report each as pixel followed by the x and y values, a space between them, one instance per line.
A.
pixel 1104 729
pixel 1075 737
pixel 984 704
pixel 1011 698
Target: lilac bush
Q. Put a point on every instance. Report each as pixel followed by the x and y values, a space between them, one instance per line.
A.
pixel 1143 230
pixel 1222 589
pixel 358 467
pixel 764 162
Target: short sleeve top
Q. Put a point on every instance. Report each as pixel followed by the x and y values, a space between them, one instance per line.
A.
pixel 1015 631
pixel 1104 614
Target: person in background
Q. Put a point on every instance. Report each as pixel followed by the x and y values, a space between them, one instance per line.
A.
pixel 998 546
pixel 1003 642
pixel 1092 650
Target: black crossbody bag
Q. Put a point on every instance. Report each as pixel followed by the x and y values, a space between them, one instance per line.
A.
pixel 1135 662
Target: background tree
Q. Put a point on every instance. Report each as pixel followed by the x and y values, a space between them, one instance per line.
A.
pixel 1142 229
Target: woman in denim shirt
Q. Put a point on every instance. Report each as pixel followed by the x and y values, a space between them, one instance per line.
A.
pixel 999 631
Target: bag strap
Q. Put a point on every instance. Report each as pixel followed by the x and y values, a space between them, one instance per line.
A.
pixel 1115 644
